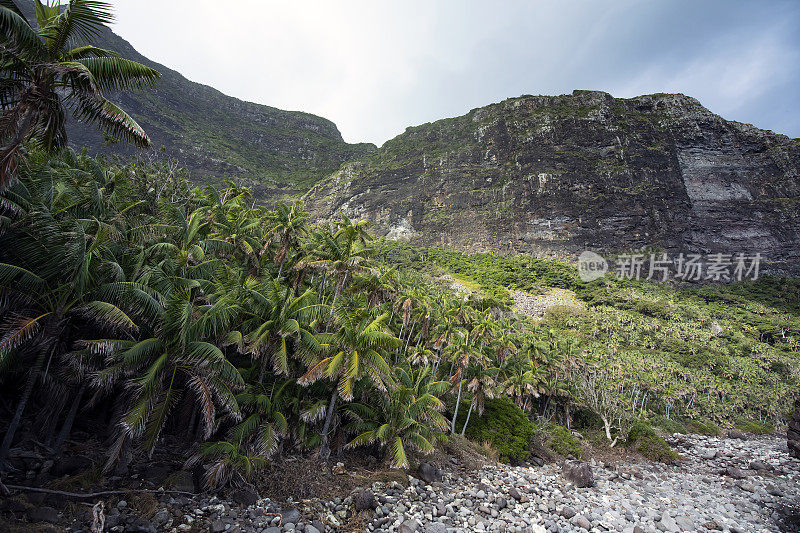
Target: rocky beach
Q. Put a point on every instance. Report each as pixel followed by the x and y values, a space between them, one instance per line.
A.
pixel 738 484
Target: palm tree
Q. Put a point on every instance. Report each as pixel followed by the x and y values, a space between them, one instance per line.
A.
pixel 275 316
pixel 287 223
pixel 230 463
pixel 482 383
pixel 264 424
pixel 409 416
pixel 356 355
pixel 161 369
pixel 41 75
pixel 56 273
pixel 462 353
pixel 342 253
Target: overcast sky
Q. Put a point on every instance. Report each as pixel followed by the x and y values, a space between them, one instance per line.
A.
pixel 375 67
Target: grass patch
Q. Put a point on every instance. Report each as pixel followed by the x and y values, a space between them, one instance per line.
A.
pixel 753 426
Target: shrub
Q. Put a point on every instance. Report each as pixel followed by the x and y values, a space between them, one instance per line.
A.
pixel 503 425
pixel 703 426
pixel 643 438
pixel 653 308
pixel 561 314
pixel 560 440
pixel 669 425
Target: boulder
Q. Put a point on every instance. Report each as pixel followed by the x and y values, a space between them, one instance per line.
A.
pixel 567 512
pixel 735 473
pixel 245 497
pixel 736 434
pixel 429 473
pixel 364 501
pixel 409 526
pixel 290 515
pixel 140 525
pixel 579 473
pixel 793 431
pixel 436 527
pixel 42 514
pixel 70 465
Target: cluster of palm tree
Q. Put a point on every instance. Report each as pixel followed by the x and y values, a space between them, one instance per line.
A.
pixel 245 327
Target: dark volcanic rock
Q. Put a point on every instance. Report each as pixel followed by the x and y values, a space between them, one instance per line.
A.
pixel 245 497
pixel 793 431
pixel 560 174
pixel 579 473
pixel 42 514
pixel 735 473
pixel 429 473
pixel 364 501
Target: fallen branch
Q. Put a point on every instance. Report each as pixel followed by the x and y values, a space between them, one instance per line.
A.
pixel 86 496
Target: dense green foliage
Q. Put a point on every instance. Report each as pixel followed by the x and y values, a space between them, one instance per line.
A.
pixel 505 426
pixel 560 440
pixel 708 352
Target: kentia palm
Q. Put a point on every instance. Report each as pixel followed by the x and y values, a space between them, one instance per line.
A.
pixel 356 351
pixel 462 353
pixel 279 324
pixel 288 224
pixel 57 272
pixel 178 357
pixel 41 75
pixel 409 416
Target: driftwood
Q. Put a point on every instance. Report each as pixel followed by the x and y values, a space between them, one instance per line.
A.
pixel 98 518
pixel 86 496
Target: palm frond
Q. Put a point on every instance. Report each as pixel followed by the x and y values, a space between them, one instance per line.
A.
pixel 109 315
pixel 113 73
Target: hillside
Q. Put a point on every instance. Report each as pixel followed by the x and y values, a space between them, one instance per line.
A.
pixel 727 349
pixel 217 137
pixel 558 174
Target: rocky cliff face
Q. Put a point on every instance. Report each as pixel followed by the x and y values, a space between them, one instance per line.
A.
pixel 560 174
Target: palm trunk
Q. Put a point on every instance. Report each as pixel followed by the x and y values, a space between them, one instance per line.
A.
pixel 458 402
pixel 67 427
pixel 471 405
pixel 23 402
pixel 324 450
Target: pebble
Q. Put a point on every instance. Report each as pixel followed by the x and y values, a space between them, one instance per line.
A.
pixel 707 491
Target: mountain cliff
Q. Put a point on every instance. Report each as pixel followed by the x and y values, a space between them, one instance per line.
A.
pixel 216 136
pixel 559 174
